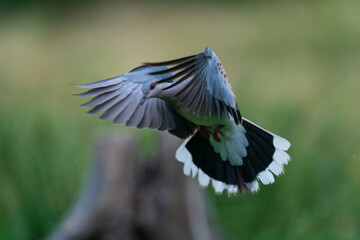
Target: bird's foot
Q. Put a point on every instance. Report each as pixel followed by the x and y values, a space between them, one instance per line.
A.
pixel 205 132
pixel 216 132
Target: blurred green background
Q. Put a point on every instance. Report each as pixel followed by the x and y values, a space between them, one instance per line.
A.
pixel 294 66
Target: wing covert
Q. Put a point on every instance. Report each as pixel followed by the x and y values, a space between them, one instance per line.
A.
pixel 201 84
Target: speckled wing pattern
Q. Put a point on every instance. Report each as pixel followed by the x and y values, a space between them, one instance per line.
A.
pixel 200 84
pixel 120 97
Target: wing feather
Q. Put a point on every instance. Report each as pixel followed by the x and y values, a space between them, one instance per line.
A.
pixel 155 120
pixel 199 102
pixel 103 83
pixel 172 62
pixel 168 119
pixel 128 111
pixel 136 117
pixel 177 67
pixel 120 99
pixel 194 96
pixel 100 99
pixel 205 83
pixel 104 106
pixel 115 109
pixel 98 91
pixel 161 111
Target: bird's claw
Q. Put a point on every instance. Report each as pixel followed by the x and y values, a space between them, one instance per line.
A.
pixel 216 132
pixel 205 132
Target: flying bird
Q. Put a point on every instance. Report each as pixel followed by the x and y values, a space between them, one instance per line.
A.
pixel 191 97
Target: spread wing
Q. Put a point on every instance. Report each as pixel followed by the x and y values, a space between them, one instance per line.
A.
pixel 120 99
pixel 200 83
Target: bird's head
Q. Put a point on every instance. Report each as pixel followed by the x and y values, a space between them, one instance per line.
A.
pixel 153 90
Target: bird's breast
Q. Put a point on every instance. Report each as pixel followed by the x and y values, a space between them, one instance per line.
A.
pixel 200 119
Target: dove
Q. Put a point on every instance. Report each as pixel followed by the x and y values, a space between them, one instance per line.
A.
pixel 191 97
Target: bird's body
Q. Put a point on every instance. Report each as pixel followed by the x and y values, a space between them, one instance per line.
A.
pixel 192 98
pixel 188 113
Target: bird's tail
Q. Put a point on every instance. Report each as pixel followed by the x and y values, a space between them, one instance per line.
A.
pixel 264 156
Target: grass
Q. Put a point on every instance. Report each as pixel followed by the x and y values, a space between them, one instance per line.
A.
pixel 294 67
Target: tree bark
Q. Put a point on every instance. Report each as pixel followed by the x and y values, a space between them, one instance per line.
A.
pixel 126 198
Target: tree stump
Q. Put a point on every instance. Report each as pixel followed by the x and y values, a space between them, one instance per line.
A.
pixel 126 198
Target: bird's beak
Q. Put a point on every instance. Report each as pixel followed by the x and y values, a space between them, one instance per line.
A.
pixel 143 99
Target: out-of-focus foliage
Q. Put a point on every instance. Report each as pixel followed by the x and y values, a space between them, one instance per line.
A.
pixel 294 67
pixel 64 5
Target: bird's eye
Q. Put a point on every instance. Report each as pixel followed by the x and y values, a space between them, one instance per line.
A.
pixel 152 86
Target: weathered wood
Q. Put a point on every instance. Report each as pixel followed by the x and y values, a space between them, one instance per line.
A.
pixel 126 198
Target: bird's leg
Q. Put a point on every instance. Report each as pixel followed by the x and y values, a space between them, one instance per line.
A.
pixel 216 132
pixel 204 131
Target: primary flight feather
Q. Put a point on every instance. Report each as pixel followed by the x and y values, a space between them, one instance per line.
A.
pixel 192 98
